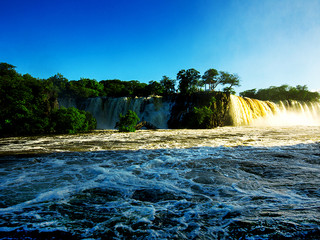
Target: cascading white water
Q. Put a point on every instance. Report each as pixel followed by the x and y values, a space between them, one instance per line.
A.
pixel 107 110
pixel 243 111
pixel 246 111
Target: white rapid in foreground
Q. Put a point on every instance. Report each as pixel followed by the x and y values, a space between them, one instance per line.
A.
pixel 225 183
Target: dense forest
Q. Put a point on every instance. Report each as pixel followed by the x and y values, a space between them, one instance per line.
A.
pixel 29 105
pixel 190 81
pixel 282 93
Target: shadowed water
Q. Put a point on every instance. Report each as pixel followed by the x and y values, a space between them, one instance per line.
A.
pixel 228 183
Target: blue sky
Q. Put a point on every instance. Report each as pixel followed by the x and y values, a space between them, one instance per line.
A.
pixel 266 42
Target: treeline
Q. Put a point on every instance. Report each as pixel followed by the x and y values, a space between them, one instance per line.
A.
pixel 190 81
pixel 86 88
pixel 29 106
pixel 282 93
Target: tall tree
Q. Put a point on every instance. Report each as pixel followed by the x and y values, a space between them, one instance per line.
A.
pixel 188 81
pixel 210 77
pixel 232 80
pixel 168 85
pixel 155 88
pixel 86 88
pixel 59 82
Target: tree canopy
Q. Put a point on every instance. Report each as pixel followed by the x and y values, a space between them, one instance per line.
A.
pixel 210 77
pixel 28 105
pixel 231 80
pixel 168 85
pixel 282 93
pixel 188 81
pixel 127 122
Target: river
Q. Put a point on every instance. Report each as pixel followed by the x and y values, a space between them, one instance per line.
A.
pixel 224 183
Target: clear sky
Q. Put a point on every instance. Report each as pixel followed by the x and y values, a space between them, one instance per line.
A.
pixel 266 42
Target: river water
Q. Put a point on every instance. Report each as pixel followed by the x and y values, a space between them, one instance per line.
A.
pixel 224 183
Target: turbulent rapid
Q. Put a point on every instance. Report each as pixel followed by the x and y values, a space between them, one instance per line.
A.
pixel 224 183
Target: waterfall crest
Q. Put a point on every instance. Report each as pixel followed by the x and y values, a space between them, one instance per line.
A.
pixel 107 110
pixel 253 112
pixel 242 111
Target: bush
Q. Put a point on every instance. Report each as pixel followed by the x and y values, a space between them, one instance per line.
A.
pixel 72 120
pixel 212 114
pixel 127 122
pixel 204 117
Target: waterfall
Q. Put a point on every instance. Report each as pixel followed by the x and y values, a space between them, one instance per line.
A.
pixel 247 111
pixel 243 111
pixel 107 110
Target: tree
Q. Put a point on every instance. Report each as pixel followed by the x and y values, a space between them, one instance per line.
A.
pixel 72 120
pixel 127 122
pixel 140 89
pixel 249 93
pixel 168 85
pixel 232 80
pixel 210 77
pixel 204 116
pixel 7 69
pixel 282 93
pixel 28 106
pixel 85 88
pixel 24 103
pixel 59 82
pixel 115 88
pixel 155 88
pixel 212 112
pixel 188 81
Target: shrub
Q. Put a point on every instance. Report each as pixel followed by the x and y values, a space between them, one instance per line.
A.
pixel 72 120
pixel 127 122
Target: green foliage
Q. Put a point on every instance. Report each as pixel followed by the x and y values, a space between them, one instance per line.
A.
pixel 230 80
pixel 204 116
pixel 24 103
pixel 27 104
pixel 168 85
pixel 138 89
pixel 115 88
pixel 118 88
pixel 213 78
pixel 7 70
pixel 282 93
pixel 59 83
pixel 85 88
pixel 249 93
pixel 210 77
pixel 155 88
pixel 72 120
pixel 188 81
pixel 127 122
pixel 213 113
